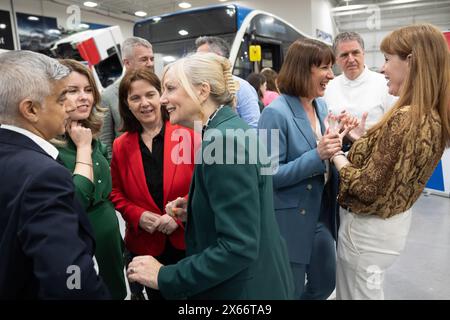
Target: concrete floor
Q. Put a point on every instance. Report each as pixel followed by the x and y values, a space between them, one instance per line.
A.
pixel 422 272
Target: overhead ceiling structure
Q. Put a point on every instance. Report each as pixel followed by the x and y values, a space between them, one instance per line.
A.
pixel 357 15
pixel 126 9
pixel 347 14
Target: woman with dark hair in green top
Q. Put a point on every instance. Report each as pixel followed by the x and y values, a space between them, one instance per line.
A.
pixel 86 157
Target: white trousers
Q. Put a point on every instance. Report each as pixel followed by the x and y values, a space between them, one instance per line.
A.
pixel 367 247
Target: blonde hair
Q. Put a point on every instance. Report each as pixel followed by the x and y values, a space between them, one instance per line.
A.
pixel 211 68
pixel 427 84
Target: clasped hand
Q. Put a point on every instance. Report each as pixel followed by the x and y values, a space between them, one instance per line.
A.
pixel 152 222
pixel 347 125
pixel 177 208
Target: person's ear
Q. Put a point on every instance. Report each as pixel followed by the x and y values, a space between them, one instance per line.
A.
pixel 29 110
pixel 409 58
pixel 126 63
pixel 203 92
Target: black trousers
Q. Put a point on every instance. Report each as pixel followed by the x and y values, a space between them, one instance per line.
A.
pixel 171 255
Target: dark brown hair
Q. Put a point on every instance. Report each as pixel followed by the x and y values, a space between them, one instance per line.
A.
pixel 271 79
pixel 256 80
pixel 295 75
pixel 129 121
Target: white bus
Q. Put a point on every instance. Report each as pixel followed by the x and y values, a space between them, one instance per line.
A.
pixel 173 35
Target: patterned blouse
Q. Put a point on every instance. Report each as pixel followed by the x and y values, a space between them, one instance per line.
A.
pixel 388 172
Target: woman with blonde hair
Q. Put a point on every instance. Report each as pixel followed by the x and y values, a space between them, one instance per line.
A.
pixel 234 249
pixel 86 157
pixel 387 167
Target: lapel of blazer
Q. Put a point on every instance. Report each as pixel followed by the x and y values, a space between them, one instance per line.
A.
pixel 12 137
pixel 222 115
pixel 171 157
pixel 134 155
pixel 321 112
pixel 301 119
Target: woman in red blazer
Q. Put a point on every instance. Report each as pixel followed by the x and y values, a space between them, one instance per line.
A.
pixel 152 164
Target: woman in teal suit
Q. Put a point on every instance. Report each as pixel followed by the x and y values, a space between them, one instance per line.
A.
pixel 305 185
pixel 233 245
pixel 86 157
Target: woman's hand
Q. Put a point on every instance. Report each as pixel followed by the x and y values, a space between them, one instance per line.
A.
pixel 356 128
pixel 177 208
pixel 149 221
pixel 81 136
pixel 144 269
pixel 329 144
pixel 167 224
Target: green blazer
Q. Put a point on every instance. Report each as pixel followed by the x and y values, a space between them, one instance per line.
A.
pixel 234 248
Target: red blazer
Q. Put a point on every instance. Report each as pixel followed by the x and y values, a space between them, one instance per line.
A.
pixel 130 193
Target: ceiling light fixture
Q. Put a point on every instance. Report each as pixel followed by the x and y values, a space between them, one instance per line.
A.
pixel 140 13
pixel 2 26
pixel 184 5
pixel 90 4
pixel 350 7
pixel 157 19
pixel 33 18
pixel 183 33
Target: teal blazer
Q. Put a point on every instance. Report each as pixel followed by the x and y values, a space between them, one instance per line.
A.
pixel 301 197
pixel 234 248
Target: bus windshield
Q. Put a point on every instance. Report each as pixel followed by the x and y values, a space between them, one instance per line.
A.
pixel 216 21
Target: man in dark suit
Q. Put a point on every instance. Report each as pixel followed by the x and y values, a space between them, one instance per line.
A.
pixel 46 245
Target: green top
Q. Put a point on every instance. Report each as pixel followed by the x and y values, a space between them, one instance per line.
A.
pixel 234 247
pixel 90 194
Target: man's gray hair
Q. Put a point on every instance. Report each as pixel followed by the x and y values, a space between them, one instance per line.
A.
pixel 217 45
pixel 347 36
pixel 130 43
pixel 26 75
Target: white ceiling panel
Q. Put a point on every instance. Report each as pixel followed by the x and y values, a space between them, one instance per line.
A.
pixel 128 7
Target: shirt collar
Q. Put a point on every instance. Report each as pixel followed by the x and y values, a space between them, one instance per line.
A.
pixel 44 144
pixel 360 79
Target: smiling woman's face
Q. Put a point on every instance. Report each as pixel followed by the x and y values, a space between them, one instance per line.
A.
pixel 395 70
pixel 183 110
pixel 80 93
pixel 144 102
